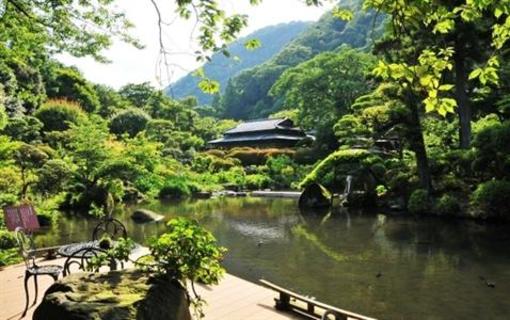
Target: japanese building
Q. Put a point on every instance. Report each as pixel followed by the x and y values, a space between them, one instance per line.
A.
pixel 262 134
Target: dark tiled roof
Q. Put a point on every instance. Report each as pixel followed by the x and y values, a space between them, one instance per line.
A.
pixel 261 125
pixel 259 137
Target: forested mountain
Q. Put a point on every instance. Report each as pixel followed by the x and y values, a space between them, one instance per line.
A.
pixel 222 68
pixel 246 95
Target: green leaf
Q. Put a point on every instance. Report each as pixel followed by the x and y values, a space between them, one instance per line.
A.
pixel 209 86
pixel 475 73
pixel 342 14
pixel 446 87
pixel 252 44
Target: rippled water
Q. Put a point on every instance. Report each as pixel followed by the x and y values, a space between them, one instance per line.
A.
pixel 382 266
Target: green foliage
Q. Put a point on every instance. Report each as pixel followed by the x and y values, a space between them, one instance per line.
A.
pixel 343 162
pixel 492 198
pixel 249 156
pixel 57 115
pixel 419 202
pixel 247 94
pixel 447 205
pixel 9 257
pixel 137 94
pixel 24 128
pixel 221 67
pixel 175 188
pixel 7 240
pixel 53 176
pixel 493 150
pixel 257 182
pixel 187 252
pixel 323 88
pixel 130 121
pixel 283 171
pixel 68 84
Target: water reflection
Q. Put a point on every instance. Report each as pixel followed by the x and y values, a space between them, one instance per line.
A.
pixel 383 266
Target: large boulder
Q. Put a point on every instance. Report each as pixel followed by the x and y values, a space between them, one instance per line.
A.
pixel 113 296
pixel 144 215
pixel 315 196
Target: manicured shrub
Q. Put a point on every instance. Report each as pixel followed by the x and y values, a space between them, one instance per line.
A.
pixel 216 152
pixel 492 198
pixel 342 161
pixel 130 121
pixel 419 202
pixel 447 205
pixel 249 156
pixel 57 114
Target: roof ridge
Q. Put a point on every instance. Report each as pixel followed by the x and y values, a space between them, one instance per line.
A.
pixel 265 119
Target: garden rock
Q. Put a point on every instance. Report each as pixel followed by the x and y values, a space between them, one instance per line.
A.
pixel 145 215
pixel 315 196
pixel 114 295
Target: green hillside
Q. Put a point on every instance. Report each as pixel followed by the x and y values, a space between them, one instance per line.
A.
pixel 222 68
pixel 246 95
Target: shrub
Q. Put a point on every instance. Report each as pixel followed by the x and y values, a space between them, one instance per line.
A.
pixel 187 252
pixel 234 177
pixel 493 150
pixel 447 205
pixel 130 121
pixel 219 164
pixel 216 152
pixel 25 128
pixel 249 156
pixel 175 188
pixel 257 181
pixel 419 202
pixel 57 114
pixel 9 256
pixel 7 240
pixel 53 176
pixel 492 198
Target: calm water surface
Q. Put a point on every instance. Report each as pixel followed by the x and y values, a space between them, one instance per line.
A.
pixel 428 268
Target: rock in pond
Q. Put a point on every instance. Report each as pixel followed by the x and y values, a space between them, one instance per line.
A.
pixel 114 295
pixel 144 215
pixel 315 196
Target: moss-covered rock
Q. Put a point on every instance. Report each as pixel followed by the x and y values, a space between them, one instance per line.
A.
pixel 315 196
pixel 111 296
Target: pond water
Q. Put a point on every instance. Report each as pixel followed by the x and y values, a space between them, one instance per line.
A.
pixel 382 266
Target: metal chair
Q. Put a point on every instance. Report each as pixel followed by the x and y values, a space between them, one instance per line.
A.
pixel 26 248
pixel 110 227
pixel 82 258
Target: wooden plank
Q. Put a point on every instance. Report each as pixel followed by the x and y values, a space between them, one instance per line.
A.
pixel 287 293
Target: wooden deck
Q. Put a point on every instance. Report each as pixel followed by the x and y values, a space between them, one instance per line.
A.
pixel 233 298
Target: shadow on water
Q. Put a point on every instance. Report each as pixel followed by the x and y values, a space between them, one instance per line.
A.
pixel 384 266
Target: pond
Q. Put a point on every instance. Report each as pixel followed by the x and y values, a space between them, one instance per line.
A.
pixel 382 266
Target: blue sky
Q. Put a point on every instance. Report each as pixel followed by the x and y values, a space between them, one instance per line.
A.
pixel 134 65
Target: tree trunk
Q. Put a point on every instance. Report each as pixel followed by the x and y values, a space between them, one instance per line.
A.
pixel 417 145
pixel 463 107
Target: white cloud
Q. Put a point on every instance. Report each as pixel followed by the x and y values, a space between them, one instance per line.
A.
pixel 131 65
